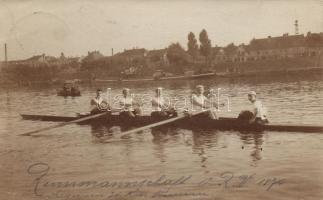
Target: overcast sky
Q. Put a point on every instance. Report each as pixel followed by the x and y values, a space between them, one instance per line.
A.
pixel 31 27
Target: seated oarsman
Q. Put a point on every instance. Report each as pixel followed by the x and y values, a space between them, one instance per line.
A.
pixel 160 108
pixel 201 102
pixel 129 107
pixel 98 103
pixel 257 113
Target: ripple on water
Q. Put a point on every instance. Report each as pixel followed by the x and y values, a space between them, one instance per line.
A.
pixel 86 152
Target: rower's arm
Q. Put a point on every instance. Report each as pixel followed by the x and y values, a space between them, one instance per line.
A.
pixel 94 102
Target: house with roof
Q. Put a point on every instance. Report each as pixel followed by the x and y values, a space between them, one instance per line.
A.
pixel 35 61
pixel 158 55
pixel 286 46
pixel 314 44
pixel 218 55
pixel 134 53
pixel 241 53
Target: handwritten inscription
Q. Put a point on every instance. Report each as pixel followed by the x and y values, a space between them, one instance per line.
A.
pixel 160 187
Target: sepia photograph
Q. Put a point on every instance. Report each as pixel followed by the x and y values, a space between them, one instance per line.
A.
pixel 161 99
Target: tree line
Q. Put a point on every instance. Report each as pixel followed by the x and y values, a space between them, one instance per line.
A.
pixel 179 59
pixel 178 56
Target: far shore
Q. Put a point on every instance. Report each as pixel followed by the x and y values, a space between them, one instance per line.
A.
pixel 219 76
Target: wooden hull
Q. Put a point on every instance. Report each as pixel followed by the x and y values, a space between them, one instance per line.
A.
pixel 196 122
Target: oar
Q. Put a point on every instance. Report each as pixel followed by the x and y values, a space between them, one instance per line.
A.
pixel 70 122
pixel 63 124
pixel 159 123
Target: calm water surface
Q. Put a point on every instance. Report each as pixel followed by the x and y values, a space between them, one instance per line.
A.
pixel 215 163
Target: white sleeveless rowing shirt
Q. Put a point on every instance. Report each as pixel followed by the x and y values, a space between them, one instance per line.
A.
pixel 259 110
pixel 126 103
pixel 95 102
pixel 198 99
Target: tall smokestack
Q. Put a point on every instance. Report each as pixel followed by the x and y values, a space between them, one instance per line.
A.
pixel 5 53
pixel 296 27
pixel 112 52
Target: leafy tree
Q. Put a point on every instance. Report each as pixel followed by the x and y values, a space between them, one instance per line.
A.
pixel 177 56
pixel 192 46
pixel 176 53
pixel 205 47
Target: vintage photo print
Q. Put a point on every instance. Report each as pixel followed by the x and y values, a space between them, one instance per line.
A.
pixel 161 99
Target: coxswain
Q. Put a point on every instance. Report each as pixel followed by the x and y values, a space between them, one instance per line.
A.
pixel 257 113
pixel 201 102
pixel 160 108
pixel 98 103
pixel 128 105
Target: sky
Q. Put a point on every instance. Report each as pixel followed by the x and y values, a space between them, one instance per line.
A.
pixel 33 27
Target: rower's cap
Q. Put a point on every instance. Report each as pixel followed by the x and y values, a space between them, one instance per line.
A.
pixel 252 93
pixel 199 86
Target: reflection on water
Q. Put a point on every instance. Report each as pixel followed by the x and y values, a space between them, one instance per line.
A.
pixel 93 152
pixel 202 141
pixel 255 139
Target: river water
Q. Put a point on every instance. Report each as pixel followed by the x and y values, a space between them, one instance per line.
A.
pixel 177 164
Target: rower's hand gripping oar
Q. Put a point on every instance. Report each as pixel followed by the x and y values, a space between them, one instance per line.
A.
pixel 123 134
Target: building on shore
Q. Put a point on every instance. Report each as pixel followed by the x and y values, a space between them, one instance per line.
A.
pixel 302 48
pixel 286 46
pixel 262 54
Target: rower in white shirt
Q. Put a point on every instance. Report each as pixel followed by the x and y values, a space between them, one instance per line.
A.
pixel 159 106
pixel 200 102
pixel 259 112
pixel 129 106
pixel 98 103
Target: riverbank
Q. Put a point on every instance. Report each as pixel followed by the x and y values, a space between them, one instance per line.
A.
pixel 294 71
pixel 218 76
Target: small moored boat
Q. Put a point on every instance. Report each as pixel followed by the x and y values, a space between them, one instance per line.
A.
pixel 70 88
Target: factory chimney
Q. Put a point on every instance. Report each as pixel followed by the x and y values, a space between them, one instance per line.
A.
pixel 296 27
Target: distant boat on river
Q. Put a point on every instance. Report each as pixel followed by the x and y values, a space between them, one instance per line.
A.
pixel 70 88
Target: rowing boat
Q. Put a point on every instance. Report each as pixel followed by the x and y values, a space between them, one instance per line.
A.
pixel 195 122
